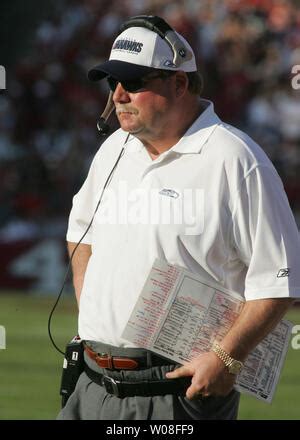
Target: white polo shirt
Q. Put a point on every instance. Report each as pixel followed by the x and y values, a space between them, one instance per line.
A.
pixel 213 203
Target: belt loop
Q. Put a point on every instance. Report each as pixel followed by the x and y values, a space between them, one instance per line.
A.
pixel 110 362
pixel 149 359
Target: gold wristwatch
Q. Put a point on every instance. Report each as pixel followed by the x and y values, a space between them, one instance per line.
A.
pixel 234 366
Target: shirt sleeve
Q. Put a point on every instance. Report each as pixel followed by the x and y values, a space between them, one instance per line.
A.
pixel 83 208
pixel 266 237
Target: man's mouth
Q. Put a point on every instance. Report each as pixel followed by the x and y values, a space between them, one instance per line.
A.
pixel 125 111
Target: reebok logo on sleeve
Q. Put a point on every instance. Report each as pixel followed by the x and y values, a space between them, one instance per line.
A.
pixel 283 272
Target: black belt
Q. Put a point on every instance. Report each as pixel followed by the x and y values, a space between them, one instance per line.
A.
pixel 143 388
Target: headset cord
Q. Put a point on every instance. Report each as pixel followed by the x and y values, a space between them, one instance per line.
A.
pixel 74 250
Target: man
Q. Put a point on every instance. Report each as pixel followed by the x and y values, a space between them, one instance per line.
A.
pixel 242 237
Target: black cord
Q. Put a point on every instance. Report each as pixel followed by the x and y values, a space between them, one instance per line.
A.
pixel 74 250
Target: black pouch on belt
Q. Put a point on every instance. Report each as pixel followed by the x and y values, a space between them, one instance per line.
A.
pixel 73 366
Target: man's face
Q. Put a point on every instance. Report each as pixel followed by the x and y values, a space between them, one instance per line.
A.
pixel 146 113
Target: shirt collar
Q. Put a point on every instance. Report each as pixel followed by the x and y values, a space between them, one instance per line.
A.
pixel 198 133
pixel 194 138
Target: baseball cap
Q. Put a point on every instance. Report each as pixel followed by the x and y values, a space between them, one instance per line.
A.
pixel 136 52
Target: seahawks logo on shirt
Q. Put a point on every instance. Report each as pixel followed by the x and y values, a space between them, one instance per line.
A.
pixel 169 193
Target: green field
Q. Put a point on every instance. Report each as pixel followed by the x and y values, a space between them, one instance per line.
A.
pixel 30 368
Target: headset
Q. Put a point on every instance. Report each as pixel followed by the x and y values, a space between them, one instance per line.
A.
pixel 181 53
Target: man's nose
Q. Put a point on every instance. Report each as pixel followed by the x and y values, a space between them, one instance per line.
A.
pixel 120 94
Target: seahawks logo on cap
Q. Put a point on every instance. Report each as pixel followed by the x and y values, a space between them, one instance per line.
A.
pixel 129 45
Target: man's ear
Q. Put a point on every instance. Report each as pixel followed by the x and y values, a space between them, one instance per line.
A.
pixel 181 83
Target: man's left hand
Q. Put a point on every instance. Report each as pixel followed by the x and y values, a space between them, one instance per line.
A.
pixel 209 376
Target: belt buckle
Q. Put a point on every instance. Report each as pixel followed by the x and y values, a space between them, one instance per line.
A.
pixel 111 386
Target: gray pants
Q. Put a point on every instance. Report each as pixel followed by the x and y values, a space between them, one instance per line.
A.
pixel 90 401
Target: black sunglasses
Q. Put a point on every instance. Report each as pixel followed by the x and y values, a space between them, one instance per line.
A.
pixel 135 85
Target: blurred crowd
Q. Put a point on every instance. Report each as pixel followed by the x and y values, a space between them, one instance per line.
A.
pixel 245 51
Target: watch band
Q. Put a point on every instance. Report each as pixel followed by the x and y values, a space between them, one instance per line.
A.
pixel 222 354
pixel 234 366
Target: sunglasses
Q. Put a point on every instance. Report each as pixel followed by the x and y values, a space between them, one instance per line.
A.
pixel 135 85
